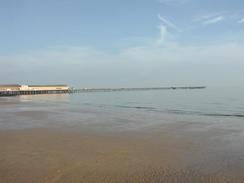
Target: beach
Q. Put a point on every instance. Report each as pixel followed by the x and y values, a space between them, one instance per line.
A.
pixel 166 155
pixel 52 139
pixel 126 91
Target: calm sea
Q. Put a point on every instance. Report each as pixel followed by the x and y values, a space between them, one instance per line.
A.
pixel 127 110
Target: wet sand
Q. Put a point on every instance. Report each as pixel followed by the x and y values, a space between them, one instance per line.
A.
pixel 168 153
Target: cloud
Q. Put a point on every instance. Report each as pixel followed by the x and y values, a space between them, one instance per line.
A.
pixel 163 34
pixel 168 23
pixel 146 65
pixel 210 18
pixel 164 64
pixel 241 21
pixel 164 30
pixel 201 18
pixel 213 20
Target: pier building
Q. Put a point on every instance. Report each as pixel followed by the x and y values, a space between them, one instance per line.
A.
pixel 12 90
pixel 12 87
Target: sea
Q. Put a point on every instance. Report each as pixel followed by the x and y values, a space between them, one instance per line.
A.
pixel 220 107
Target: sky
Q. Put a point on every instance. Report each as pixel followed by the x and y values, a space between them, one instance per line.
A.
pixel 129 43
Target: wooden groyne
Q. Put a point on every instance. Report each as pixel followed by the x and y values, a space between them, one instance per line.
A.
pixel 83 90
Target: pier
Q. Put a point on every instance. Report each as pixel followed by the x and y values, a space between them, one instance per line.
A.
pixel 133 89
pixel 28 92
pixel 15 89
pixel 64 89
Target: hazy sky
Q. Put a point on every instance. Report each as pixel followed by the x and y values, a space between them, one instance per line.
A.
pixel 115 43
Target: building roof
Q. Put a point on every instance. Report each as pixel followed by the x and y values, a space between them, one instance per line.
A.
pixel 17 85
pixel 10 85
pixel 48 85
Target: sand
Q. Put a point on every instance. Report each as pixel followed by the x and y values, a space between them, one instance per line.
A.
pixel 167 154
